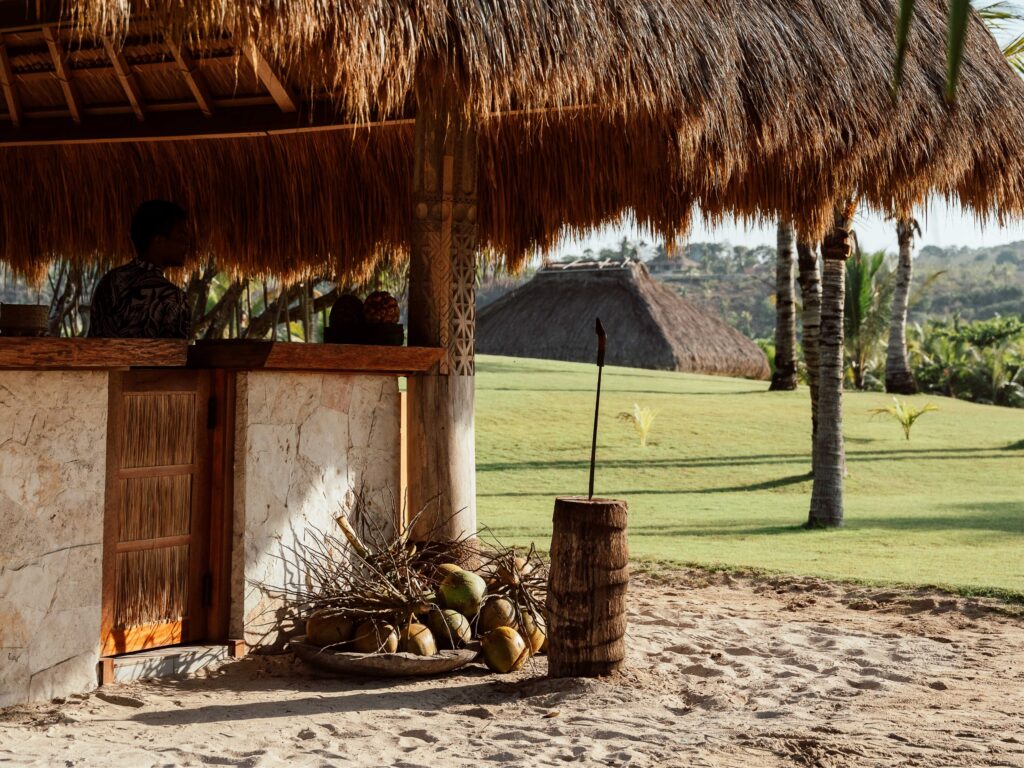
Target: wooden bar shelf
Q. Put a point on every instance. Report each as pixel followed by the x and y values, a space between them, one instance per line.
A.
pixel 285 356
pixel 49 354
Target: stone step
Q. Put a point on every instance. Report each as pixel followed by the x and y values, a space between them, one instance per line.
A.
pixel 172 661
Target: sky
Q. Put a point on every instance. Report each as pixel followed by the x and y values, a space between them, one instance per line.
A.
pixel 940 225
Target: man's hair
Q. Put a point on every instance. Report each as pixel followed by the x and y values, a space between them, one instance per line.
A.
pixel 154 217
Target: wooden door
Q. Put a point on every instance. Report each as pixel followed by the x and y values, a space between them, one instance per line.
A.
pixel 156 575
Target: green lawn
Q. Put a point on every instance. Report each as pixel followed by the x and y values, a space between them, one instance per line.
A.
pixel 724 479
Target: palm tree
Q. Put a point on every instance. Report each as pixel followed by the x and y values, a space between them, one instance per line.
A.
pixel 866 311
pixel 810 321
pixel 784 377
pixel 829 456
pixel 898 378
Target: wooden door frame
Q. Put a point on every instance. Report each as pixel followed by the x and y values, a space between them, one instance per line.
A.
pixel 210 570
pixel 221 505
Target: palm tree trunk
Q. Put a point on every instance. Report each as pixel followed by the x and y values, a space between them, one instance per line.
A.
pixel 810 320
pixel 784 377
pixel 829 457
pixel 898 377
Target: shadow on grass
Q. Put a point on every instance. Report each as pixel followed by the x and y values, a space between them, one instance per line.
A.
pixel 997 517
pixel 927 454
pixel 1018 446
pixel 765 485
pixel 606 388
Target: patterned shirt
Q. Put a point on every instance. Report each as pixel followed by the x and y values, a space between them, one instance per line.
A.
pixel 136 301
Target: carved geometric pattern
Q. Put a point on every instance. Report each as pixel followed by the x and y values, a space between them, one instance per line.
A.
pixel 445 236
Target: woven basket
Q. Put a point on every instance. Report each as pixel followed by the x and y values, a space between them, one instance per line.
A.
pixel 24 319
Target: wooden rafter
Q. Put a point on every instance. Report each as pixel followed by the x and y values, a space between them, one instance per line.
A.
pixel 126 78
pixel 7 83
pixel 193 77
pixel 237 122
pixel 279 89
pixel 63 73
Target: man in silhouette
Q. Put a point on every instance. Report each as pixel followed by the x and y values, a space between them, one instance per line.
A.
pixel 135 300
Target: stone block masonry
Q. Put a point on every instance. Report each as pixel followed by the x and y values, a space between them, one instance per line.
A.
pixel 52 478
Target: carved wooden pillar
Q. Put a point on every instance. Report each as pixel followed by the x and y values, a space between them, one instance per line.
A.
pixel 442 299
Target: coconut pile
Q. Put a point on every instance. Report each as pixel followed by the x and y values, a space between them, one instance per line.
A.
pixel 401 598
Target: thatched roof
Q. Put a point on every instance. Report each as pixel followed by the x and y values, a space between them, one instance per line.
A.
pixel 587 108
pixel 649 325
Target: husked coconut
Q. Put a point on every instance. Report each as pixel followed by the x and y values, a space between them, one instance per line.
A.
pixel 328 627
pixel 463 591
pixel 416 638
pixel 496 612
pixel 534 632
pixel 450 628
pixel 504 650
pixel 375 637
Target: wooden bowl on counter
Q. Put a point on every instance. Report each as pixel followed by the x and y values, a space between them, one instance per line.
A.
pixel 24 319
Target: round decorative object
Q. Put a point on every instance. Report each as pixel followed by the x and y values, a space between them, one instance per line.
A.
pixel 381 307
pixel 24 319
pixel 380 664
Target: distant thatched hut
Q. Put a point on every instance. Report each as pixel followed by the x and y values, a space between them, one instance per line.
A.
pixel 649 325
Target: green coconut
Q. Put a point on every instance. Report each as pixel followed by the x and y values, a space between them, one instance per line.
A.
pixel 327 627
pixel 450 628
pixel 463 591
pixel 534 632
pixel 446 568
pixel 416 638
pixel 496 612
pixel 504 650
pixel 375 637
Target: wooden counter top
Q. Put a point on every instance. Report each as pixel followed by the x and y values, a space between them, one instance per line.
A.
pixel 48 354
pixel 284 356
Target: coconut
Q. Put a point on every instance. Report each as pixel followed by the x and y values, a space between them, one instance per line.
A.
pixel 375 637
pixel 327 627
pixel 497 612
pixel 534 632
pixel 445 568
pixel 450 628
pixel 504 650
pixel 416 638
pixel 463 591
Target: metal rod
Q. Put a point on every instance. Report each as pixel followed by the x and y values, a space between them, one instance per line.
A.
pixel 601 343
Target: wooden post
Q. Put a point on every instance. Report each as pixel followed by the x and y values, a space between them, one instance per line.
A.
pixel 586 608
pixel 442 297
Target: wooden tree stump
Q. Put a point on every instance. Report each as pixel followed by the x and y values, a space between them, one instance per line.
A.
pixel 586 604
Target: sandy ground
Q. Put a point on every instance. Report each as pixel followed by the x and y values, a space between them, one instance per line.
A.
pixel 722 671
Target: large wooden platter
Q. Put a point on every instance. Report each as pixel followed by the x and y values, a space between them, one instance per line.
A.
pixel 379 664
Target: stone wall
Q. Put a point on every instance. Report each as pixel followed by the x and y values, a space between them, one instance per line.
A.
pixel 307 447
pixel 52 479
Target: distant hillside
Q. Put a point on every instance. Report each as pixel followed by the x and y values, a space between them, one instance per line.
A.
pixel 978 283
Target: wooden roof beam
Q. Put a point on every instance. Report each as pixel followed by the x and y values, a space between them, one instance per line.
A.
pixel 63 73
pixel 283 96
pixel 127 79
pixel 7 83
pixel 193 77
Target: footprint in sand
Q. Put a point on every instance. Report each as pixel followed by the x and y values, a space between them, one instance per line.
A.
pixel 866 685
pixel 421 734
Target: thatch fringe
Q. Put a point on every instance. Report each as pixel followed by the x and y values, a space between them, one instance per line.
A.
pixel 657 107
pixel 552 317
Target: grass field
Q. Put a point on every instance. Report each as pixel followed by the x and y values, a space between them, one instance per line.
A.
pixel 724 479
